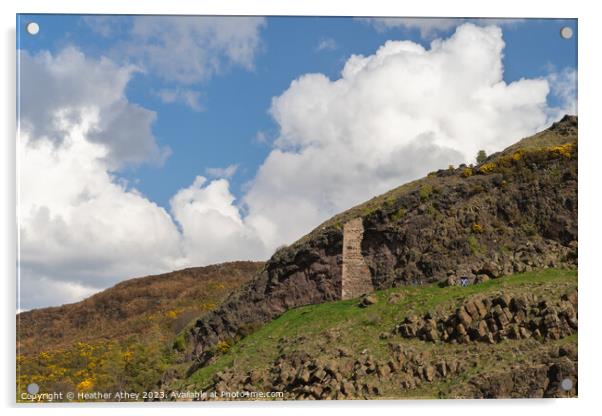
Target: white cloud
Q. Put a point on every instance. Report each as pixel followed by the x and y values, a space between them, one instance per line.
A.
pixel 72 85
pixel 81 228
pixel 185 96
pixel 563 85
pixel 226 172
pixel 391 117
pixel 189 49
pixel 213 230
pixel 429 27
pixel 327 44
pixel 40 290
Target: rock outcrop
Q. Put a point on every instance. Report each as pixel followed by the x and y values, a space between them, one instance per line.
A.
pixel 555 375
pixel 301 376
pixel 515 212
pixel 493 320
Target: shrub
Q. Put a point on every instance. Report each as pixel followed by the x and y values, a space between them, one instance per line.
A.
pixel 223 346
pixel 565 150
pixel 179 343
pixel 425 192
pixel 85 385
pixel 473 244
pixel 486 168
pixel 399 214
pixel 481 156
pixel 467 172
pixel 390 201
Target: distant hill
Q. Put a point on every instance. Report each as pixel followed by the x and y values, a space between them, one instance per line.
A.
pixel 142 314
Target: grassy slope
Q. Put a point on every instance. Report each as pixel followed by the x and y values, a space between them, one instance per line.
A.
pixel 312 328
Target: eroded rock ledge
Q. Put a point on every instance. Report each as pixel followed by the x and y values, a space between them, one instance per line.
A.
pixel 495 319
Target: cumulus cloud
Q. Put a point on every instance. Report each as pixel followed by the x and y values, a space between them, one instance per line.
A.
pixel 74 85
pixel 81 227
pixel 429 27
pixel 213 229
pixel 391 117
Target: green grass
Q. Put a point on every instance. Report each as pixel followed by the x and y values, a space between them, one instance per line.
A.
pixel 359 328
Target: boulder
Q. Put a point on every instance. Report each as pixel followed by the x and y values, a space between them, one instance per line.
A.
pixel 368 300
pixel 463 317
pixel 429 373
pixel 481 278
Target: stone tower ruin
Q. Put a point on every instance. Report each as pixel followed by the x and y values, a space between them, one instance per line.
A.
pixel 356 279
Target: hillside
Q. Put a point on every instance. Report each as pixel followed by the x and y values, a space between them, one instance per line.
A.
pixel 64 346
pixel 514 336
pixel 513 213
pixel 473 270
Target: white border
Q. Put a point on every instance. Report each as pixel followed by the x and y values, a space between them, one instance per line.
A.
pixel 590 183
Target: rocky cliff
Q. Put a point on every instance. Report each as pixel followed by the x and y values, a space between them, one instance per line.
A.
pixel 515 212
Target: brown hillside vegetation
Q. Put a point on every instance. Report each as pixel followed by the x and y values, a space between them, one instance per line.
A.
pixel 123 338
pixel 127 308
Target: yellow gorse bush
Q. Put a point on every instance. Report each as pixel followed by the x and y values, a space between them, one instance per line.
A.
pixel 565 150
pixel 85 385
pixel 223 347
pixel 487 167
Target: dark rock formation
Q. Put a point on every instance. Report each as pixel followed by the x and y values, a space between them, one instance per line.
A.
pixel 540 379
pixel 494 319
pixel 304 377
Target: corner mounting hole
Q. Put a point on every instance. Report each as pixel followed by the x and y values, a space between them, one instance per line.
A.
pixel 566 32
pixel 32 28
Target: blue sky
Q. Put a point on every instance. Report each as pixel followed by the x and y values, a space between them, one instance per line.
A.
pixel 236 102
pixel 128 125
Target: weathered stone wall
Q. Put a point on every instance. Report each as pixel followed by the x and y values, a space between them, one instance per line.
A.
pixel 356 279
